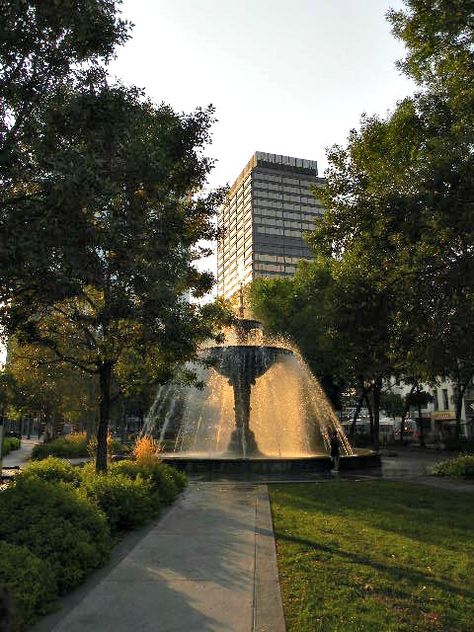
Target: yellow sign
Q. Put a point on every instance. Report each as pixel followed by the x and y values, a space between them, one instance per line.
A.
pixel 443 415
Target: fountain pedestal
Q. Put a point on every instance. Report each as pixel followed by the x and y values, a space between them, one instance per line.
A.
pixel 242 365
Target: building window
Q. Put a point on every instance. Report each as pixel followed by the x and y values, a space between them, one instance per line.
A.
pixel 435 399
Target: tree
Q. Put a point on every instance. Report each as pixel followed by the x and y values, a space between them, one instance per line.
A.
pixel 439 37
pixel 52 390
pixel 288 307
pixel 43 47
pixel 119 192
pixel 392 404
pixel 419 399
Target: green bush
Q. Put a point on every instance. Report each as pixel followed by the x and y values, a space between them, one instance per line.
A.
pixel 69 447
pixel 165 480
pixel 57 524
pixel 10 444
pixel 73 446
pixel 459 467
pixel 28 582
pixel 53 470
pixel 126 502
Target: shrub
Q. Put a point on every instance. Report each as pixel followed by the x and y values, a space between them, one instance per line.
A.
pixel 459 467
pixel 9 444
pixel 146 450
pixel 55 523
pixel 53 470
pixel 127 502
pixel 165 480
pixel 72 446
pixel 28 585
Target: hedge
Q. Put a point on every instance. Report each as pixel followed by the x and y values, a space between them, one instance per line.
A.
pixel 10 444
pixel 460 467
pixel 53 470
pixel 58 525
pixel 167 481
pixel 72 446
pixel 56 522
pixel 126 502
pixel 27 585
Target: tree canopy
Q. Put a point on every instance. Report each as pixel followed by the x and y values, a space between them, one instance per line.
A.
pixel 397 235
pixel 103 215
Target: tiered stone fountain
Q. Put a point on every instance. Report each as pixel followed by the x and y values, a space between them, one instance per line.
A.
pixel 259 410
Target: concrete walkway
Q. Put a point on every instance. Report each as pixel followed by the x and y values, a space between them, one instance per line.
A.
pixel 208 564
pixel 18 458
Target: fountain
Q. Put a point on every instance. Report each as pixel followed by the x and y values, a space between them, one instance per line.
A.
pixel 258 409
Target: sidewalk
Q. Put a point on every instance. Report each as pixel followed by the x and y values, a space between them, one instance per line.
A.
pixel 208 565
pixel 18 458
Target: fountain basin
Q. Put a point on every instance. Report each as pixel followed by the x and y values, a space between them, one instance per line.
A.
pixel 194 464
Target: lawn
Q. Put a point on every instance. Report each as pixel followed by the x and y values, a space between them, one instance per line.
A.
pixel 374 555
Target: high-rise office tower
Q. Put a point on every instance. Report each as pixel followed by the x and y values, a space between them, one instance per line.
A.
pixel 268 210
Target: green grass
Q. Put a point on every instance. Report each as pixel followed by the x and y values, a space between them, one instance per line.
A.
pixel 374 556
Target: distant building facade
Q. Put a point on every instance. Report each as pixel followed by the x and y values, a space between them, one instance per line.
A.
pixel 439 416
pixel 269 208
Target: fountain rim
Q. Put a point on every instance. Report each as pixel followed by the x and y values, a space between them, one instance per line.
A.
pixel 273 347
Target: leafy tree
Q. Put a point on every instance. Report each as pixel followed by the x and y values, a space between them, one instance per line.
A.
pixel 120 195
pixel 419 399
pixel 44 46
pixel 288 307
pixel 50 388
pixel 439 37
pixel 392 404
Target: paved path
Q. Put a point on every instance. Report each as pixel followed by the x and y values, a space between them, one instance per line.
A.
pixel 208 564
pixel 18 458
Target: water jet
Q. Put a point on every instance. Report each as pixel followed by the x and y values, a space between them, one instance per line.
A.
pixel 259 410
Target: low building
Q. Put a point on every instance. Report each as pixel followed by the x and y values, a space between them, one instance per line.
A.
pixel 440 415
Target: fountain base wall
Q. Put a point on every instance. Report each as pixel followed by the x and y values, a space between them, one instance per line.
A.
pixel 267 465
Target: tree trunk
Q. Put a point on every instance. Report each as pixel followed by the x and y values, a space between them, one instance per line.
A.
pixel 105 375
pixel 371 415
pixel 422 427
pixel 406 410
pixel 460 390
pixel 376 389
pixel 356 413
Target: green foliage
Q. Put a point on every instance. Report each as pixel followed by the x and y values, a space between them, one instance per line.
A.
pixel 72 447
pixel 52 470
pixel 127 502
pixel 55 523
pixel 9 444
pixel 69 447
pixel 460 467
pixel 28 581
pixel 165 480
pixel 392 403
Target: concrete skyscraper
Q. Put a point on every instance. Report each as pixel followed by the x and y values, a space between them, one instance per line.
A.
pixel 268 210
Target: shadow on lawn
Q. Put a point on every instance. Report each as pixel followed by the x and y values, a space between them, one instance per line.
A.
pixel 396 571
pixel 380 506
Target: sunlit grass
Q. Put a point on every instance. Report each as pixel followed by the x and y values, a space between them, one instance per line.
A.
pixel 374 556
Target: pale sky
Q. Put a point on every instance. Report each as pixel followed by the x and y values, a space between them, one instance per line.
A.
pixel 286 76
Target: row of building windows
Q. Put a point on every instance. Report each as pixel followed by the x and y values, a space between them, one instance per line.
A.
pixel 268 258
pixel 266 177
